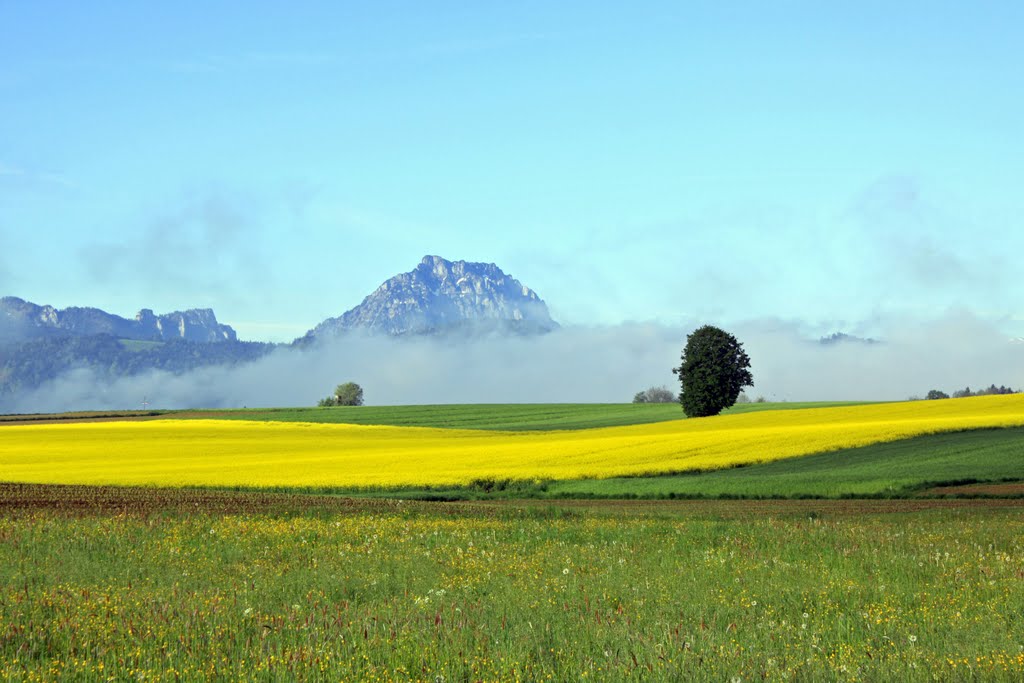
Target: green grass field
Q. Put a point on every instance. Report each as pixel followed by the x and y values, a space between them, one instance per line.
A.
pixel 499 417
pixel 163 585
pixel 897 468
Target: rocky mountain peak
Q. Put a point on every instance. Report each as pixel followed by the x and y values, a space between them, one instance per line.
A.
pixel 441 296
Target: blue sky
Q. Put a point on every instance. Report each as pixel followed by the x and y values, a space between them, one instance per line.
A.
pixel 644 161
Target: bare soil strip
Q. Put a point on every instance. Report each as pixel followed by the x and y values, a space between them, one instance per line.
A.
pixel 1009 488
pixel 78 500
pixel 92 500
pixel 128 416
pixel 61 418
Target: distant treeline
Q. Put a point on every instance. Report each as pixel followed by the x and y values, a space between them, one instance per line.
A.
pixel 28 365
pixel 993 390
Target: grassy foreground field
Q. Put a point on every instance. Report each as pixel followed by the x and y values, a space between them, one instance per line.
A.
pixel 165 585
pixel 281 454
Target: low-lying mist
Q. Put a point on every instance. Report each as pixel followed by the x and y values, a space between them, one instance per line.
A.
pixel 574 364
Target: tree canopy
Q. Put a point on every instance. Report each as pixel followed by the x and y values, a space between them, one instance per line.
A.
pixel 714 370
pixel 347 394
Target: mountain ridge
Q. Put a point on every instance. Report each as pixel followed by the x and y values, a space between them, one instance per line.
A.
pixel 22 320
pixel 440 296
pixel 462 299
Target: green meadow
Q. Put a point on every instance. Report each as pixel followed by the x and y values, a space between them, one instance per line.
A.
pixel 159 585
pixel 895 469
pixel 501 417
pixel 769 573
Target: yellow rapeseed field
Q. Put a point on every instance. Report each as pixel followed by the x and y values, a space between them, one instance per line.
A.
pixel 221 452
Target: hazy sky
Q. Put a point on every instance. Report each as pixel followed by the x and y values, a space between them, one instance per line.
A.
pixel 828 166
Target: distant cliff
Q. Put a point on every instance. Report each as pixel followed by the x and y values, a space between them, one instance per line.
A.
pixel 22 320
pixel 41 343
pixel 443 297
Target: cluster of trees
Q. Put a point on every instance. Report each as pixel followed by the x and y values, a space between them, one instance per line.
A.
pixel 347 394
pixel 993 390
pixel 655 395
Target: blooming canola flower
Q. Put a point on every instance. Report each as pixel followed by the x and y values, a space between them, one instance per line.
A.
pixel 231 452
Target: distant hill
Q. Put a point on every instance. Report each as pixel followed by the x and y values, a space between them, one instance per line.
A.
pixel 40 343
pixel 843 338
pixel 22 321
pixel 444 297
pixel 27 366
pixel 439 297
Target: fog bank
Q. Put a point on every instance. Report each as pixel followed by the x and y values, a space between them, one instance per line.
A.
pixel 575 364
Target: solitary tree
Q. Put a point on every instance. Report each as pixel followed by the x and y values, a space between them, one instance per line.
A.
pixel 347 394
pixel 714 370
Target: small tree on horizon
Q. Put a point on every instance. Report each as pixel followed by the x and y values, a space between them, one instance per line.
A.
pixel 347 394
pixel 714 370
pixel 654 395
